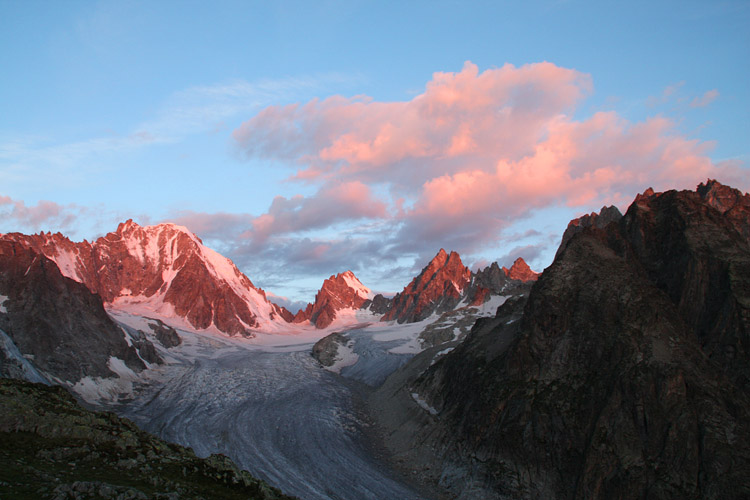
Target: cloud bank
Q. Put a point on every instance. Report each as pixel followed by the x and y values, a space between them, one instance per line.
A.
pixel 454 166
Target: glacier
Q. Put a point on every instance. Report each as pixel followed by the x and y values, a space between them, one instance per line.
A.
pixel 271 408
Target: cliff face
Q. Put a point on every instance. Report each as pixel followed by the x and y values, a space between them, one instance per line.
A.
pixel 58 322
pixel 625 377
pixel 698 255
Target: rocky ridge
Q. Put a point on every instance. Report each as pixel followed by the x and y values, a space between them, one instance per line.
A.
pixel 162 270
pixel 446 282
pixel 599 220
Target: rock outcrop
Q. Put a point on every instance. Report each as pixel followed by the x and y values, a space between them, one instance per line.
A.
pixel 161 270
pixel 599 220
pixel 379 304
pixel 165 334
pixel 729 201
pixel 342 291
pixel 59 323
pixel 626 376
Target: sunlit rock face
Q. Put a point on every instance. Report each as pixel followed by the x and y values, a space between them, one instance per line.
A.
pixel 163 270
pixel 520 271
pixel 438 287
pixel 56 323
pixel 445 284
pixel 625 374
pixel 729 201
pixel 342 291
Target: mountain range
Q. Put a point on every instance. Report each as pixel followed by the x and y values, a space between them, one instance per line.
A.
pixel 165 273
pixel 622 371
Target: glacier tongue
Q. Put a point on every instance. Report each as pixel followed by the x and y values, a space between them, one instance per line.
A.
pixel 272 409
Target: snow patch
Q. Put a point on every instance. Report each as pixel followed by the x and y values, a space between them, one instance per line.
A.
pixel 456 332
pixel 440 354
pixel 98 389
pixel 30 265
pixel 345 356
pixel 120 368
pixel 66 262
pixel 3 298
pixel 409 333
pixel 356 285
pixel 489 308
pixel 423 404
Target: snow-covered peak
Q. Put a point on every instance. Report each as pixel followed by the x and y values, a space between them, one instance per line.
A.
pixel 353 282
pixel 163 271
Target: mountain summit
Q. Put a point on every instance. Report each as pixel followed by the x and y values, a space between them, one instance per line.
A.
pixel 162 270
pixel 437 288
pixel 342 291
pixel 520 271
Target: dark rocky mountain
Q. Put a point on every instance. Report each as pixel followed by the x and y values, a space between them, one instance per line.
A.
pixel 50 447
pixel 59 323
pixel 162 270
pixel 342 291
pixel 379 304
pixel 599 220
pixel 623 375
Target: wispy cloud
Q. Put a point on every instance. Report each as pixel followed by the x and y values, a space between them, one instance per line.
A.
pixel 668 93
pixel 201 108
pixel 676 95
pixel 196 110
pixel 704 100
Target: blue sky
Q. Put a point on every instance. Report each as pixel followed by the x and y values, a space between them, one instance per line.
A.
pixel 203 113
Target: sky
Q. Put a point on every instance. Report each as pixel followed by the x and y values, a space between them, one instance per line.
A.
pixel 303 139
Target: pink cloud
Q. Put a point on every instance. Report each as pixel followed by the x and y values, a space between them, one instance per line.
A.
pixel 332 204
pixel 221 225
pixel 472 154
pixel 500 111
pixel 706 99
pixel 17 216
